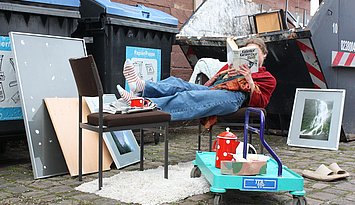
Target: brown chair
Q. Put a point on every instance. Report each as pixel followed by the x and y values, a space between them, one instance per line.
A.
pixel 89 84
pixel 236 119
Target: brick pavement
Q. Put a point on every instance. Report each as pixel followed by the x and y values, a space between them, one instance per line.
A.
pixel 17 185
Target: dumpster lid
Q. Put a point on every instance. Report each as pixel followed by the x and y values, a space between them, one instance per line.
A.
pixel 63 8
pixel 72 3
pixel 137 12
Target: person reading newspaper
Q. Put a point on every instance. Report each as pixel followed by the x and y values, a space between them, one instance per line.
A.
pixel 220 95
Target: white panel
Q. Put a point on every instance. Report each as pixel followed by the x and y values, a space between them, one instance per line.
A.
pixel 43 71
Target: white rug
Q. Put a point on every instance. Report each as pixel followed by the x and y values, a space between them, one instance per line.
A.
pixel 149 187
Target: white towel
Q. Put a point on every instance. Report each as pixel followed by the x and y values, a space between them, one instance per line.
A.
pixel 207 66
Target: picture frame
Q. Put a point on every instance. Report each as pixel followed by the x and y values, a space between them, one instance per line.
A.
pixel 122 145
pixel 316 118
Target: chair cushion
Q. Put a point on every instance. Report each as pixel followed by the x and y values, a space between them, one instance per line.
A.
pixel 239 116
pixel 116 120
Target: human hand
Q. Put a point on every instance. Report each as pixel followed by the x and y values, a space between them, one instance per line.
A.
pixel 232 72
pixel 211 80
pixel 245 71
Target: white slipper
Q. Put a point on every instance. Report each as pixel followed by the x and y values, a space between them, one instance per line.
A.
pixel 323 173
pixel 339 171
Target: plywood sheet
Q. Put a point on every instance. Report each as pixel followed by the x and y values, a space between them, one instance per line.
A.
pixel 268 22
pixel 64 115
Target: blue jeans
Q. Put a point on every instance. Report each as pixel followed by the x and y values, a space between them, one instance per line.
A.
pixel 187 101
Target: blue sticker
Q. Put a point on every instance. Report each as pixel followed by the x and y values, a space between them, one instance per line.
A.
pixel 11 113
pixel 260 184
pixel 146 61
pixel 5 44
pixel 10 106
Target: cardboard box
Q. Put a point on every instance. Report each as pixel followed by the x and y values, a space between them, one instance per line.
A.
pixel 268 22
pixel 245 168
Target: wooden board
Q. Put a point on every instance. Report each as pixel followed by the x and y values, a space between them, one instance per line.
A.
pixel 64 115
pixel 268 22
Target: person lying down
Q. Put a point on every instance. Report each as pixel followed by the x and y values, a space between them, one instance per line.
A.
pixel 223 94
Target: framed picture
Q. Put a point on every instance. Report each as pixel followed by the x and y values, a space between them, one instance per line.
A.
pixel 316 118
pixel 122 145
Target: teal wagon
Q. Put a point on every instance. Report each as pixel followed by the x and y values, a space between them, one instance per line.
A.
pixel 278 178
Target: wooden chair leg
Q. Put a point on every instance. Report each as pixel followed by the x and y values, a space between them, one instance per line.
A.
pixel 100 159
pixel 80 154
pixel 282 126
pixel 80 160
pixel 166 153
pixel 142 150
pixel 199 137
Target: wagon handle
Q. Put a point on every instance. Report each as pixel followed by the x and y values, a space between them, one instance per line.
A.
pixel 261 134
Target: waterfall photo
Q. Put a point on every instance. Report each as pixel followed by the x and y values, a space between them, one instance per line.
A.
pixel 316 118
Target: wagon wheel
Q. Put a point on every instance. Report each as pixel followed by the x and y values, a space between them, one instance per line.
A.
pixel 195 172
pixel 299 200
pixel 217 199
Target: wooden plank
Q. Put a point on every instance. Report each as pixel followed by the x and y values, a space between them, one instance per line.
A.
pixel 64 115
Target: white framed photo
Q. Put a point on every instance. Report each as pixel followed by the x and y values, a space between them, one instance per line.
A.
pixel 316 118
pixel 122 145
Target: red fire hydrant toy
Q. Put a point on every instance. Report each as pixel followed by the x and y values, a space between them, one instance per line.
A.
pixel 225 146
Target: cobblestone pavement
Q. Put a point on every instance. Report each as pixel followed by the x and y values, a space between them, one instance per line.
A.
pixel 17 185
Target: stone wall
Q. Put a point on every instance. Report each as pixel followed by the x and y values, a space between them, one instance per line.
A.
pixel 183 9
pixel 297 7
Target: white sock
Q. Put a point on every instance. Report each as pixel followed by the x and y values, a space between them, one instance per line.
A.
pixel 126 96
pixel 135 83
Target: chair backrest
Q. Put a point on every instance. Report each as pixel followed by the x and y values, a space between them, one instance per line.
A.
pixel 86 76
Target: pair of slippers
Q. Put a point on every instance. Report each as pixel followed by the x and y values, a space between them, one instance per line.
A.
pixel 324 173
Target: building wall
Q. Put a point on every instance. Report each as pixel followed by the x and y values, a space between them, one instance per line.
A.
pixel 183 9
pixel 297 7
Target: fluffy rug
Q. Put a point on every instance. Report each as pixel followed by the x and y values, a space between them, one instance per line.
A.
pixel 149 187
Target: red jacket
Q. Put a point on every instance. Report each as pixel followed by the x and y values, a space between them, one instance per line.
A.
pixel 265 86
pixel 264 82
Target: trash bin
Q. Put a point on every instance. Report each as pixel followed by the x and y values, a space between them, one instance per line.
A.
pixel 52 17
pixel 115 32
